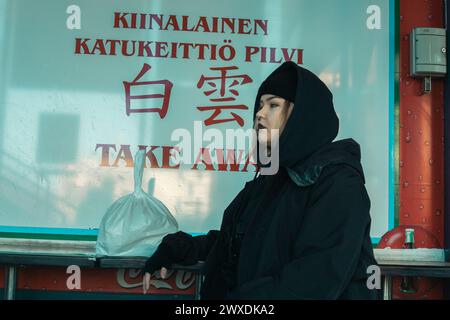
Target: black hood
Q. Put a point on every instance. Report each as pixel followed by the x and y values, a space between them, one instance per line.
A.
pixel 313 122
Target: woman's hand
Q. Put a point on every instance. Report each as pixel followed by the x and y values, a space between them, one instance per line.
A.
pixel 147 277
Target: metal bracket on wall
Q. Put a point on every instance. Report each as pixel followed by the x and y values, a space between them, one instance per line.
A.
pixel 427 85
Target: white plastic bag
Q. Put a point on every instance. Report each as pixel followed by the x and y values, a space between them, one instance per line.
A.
pixel 135 224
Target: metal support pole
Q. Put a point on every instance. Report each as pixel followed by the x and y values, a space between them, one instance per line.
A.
pixel 387 288
pixel 198 285
pixel 10 282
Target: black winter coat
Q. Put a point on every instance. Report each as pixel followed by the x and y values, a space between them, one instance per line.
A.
pixel 303 233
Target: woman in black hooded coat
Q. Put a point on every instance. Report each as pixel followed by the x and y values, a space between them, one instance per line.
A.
pixel 302 233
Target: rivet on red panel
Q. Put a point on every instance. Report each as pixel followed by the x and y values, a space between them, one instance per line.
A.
pixel 408 138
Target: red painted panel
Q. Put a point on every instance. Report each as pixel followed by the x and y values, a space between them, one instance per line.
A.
pixel 104 280
pixel 421 150
pixel 421 128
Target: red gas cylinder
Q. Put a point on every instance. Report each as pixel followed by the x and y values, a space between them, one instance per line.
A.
pixel 425 288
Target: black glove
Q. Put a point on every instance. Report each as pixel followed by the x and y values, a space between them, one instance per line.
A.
pixel 158 260
pixel 174 248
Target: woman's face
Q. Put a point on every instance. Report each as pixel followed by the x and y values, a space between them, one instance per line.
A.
pixel 273 113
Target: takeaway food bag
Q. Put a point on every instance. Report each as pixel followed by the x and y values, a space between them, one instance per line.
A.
pixel 135 224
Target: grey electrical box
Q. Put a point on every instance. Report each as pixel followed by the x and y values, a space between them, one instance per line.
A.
pixel 428 52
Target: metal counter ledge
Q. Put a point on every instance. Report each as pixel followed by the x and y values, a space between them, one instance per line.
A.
pixel 27 252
